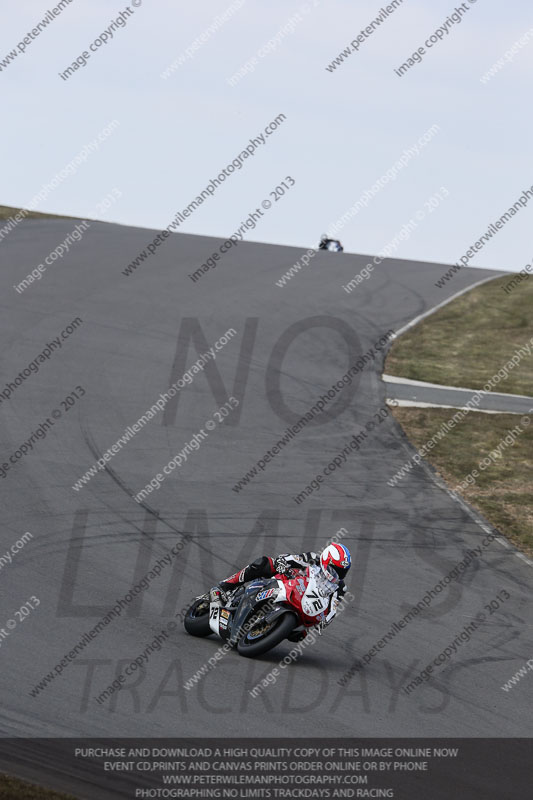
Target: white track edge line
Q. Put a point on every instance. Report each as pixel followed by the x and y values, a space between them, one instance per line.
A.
pixel 420 404
pixel 411 382
pixel 443 303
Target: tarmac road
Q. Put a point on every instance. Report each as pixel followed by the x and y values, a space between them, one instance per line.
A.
pixel 91 546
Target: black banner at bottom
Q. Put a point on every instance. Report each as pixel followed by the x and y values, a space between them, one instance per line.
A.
pixel 404 769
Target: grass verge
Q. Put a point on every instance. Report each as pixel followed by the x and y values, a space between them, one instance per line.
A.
pixel 15 789
pixel 8 211
pixel 469 340
pixel 503 490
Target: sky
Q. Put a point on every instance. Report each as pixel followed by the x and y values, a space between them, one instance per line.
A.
pixel 344 128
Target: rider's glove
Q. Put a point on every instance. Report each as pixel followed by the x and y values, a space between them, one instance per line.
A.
pixel 341 591
pixel 281 566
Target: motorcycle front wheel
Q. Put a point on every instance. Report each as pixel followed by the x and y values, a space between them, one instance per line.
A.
pixel 196 620
pixel 264 636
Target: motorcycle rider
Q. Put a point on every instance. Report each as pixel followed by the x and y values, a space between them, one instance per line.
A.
pixel 330 568
pixel 325 243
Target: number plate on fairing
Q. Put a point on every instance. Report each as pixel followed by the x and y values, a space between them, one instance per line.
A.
pixel 313 602
pixel 214 619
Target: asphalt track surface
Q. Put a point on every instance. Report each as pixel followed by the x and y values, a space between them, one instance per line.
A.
pixel 422 394
pixel 90 547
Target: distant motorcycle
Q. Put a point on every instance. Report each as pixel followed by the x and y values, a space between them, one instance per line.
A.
pixel 262 613
pixel 333 245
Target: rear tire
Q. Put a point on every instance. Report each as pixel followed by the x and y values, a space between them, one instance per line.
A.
pixel 282 627
pixel 196 620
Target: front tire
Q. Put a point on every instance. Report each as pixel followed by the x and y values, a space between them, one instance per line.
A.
pixel 196 620
pixel 251 645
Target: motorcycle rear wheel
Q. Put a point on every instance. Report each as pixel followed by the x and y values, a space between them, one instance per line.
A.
pixel 281 628
pixel 196 620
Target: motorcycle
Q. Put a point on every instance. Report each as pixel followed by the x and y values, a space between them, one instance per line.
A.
pixel 333 245
pixel 262 613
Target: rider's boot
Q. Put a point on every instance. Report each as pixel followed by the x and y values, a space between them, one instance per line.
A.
pixel 217 596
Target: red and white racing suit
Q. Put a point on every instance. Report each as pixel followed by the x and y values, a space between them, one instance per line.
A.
pixel 266 567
